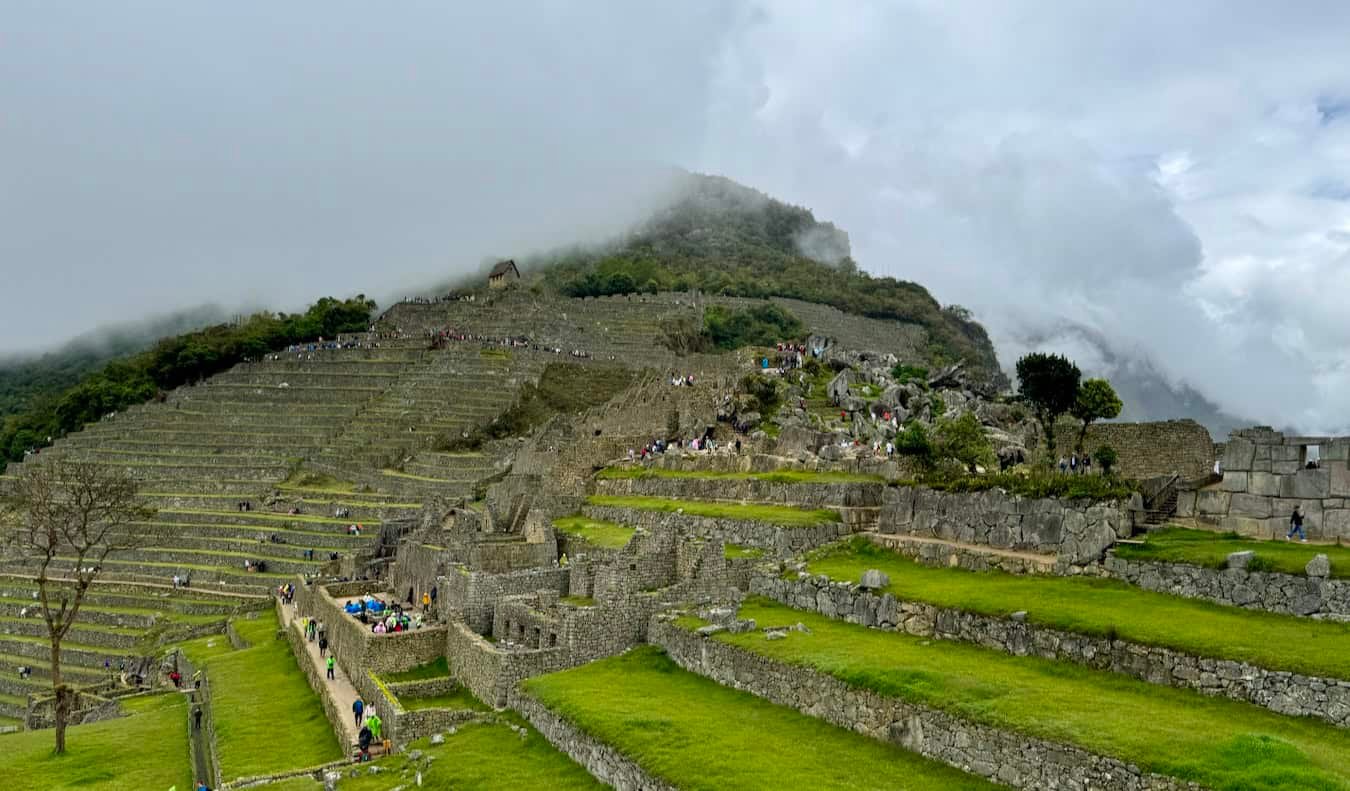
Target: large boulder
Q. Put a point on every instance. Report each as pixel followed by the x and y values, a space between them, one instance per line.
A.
pixel 1319 566
pixel 1239 560
pixel 837 390
pixel 875 579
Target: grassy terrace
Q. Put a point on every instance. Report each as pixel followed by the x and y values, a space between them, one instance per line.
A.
pixel 779 476
pixel 737 552
pixel 1218 743
pixel 261 703
pixel 459 699
pixel 1101 607
pixel 601 532
pixel 696 734
pixel 437 668
pixel 1210 549
pixel 146 749
pixel 477 756
pixel 784 515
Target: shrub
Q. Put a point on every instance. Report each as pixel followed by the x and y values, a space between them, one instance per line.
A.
pixel 904 374
pixel 1040 484
pixel 760 325
pixel 1260 563
pixel 914 442
pixel 962 439
pixel 1107 457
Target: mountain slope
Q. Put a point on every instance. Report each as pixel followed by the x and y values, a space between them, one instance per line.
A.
pixel 723 238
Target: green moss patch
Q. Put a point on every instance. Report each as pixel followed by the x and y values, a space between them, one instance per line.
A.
pixel 601 532
pixel 783 515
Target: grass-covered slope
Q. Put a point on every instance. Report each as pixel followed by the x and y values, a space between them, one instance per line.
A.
pixel 147 749
pixel 695 734
pixel 724 238
pixel 1211 550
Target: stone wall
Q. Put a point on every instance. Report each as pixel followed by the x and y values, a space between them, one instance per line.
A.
pixel 606 764
pixel 490 672
pixel 1293 694
pixel 317 682
pixel 1010 758
pixel 810 495
pixel 776 539
pixel 1147 450
pixel 1078 532
pixel 358 649
pixel 473 595
pixel 1265 475
pixel 1255 590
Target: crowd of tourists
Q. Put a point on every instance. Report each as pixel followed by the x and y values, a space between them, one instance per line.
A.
pixel 1075 464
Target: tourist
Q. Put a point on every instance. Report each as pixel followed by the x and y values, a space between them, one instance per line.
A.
pixel 330 664
pixel 201 784
pixel 1063 465
pixel 175 582
pixel 358 709
pixel 375 724
pixel 1073 464
pixel 1087 464
pixel 363 741
pixel 323 646
pixel 1296 525
pixel 426 600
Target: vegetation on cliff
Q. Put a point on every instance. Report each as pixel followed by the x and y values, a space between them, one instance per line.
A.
pixel 171 362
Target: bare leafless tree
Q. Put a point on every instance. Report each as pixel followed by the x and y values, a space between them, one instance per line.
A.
pixel 63 520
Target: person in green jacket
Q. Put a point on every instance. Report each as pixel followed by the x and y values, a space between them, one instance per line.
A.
pixel 375 724
pixel 330 667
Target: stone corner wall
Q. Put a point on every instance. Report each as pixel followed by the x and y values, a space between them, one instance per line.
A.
pixel 1077 532
pixel 1150 449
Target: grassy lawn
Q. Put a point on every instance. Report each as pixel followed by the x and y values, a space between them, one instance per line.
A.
pixel 1211 550
pixel 1101 607
pixel 437 668
pixel 601 532
pixel 1218 743
pixel 778 476
pixel 459 699
pixel 697 734
pixel 478 756
pixel 147 749
pixel 578 601
pixel 267 718
pixel 784 515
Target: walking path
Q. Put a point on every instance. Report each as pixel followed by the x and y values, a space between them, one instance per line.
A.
pixel 340 689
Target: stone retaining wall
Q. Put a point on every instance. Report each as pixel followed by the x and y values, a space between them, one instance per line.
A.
pixel 606 764
pixel 943 555
pixel 779 540
pixel 1293 694
pixel 1078 532
pixel 317 682
pixel 1005 757
pixel 1256 590
pixel 810 495
pixel 354 645
pixel 490 672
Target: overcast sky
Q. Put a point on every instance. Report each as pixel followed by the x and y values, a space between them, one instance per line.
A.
pixel 1169 179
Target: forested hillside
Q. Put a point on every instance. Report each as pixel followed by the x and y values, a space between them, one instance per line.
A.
pixel 724 238
pixel 52 410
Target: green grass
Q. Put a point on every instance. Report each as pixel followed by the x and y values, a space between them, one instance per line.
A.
pixel 1104 607
pixel 738 552
pixel 784 515
pixel 696 734
pixel 480 756
pixel 601 532
pixel 1219 743
pixel 461 698
pixel 147 749
pixel 1037 484
pixel 1211 550
pixel 437 668
pixel 578 601
pixel 267 718
pixel 317 481
pixel 778 476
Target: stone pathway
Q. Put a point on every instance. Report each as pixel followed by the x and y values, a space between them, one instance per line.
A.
pixel 340 689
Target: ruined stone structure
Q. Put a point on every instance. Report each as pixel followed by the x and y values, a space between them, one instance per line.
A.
pixel 1147 450
pixel 1266 474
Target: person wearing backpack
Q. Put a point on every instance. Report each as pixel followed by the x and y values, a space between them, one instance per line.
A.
pixel 363 740
pixel 358 708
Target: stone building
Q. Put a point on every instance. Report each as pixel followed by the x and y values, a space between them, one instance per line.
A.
pixel 1266 474
pixel 503 274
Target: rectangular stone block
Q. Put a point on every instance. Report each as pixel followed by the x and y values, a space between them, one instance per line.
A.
pixel 1261 465
pixel 1212 502
pixel 1338 480
pixel 1262 453
pixel 1284 453
pixel 1245 526
pixel 1238 454
pixel 1186 504
pixel 1250 505
pixel 1234 481
pixel 1337 450
pixel 1336 524
pixel 1284 467
pixel 1263 483
pixel 1306 485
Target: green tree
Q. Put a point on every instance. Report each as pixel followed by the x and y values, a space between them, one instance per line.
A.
pixel 963 440
pixel 1107 457
pixel 915 443
pixel 1049 382
pixel 1096 400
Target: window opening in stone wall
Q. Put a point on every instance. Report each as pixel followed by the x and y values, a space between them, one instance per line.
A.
pixel 536 637
pixel 553 640
pixel 1309 457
